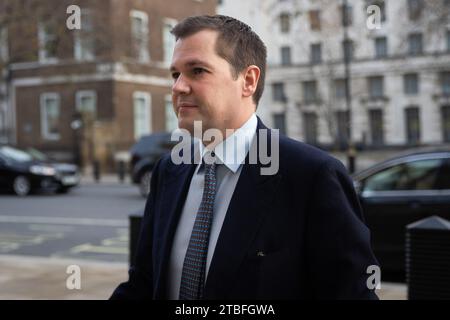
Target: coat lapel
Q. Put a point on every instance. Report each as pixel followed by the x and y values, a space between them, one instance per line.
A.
pixel 174 195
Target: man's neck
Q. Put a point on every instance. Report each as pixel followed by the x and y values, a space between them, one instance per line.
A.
pixel 225 133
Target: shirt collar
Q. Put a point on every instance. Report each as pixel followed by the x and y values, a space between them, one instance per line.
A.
pixel 232 151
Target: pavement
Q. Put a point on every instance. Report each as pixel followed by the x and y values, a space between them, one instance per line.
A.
pixel 30 278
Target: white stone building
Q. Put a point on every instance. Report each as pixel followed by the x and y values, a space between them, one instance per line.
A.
pixel 400 69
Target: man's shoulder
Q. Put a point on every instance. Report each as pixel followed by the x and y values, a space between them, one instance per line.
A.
pixel 295 154
pixel 290 148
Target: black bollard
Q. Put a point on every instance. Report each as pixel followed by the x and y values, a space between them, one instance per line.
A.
pixel 135 228
pixel 96 170
pixel 121 171
pixel 351 159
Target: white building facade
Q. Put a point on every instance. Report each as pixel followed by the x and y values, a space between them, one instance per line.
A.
pixel 399 69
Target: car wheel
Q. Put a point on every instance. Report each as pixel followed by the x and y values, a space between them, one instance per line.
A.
pixel 144 185
pixel 21 186
pixel 62 190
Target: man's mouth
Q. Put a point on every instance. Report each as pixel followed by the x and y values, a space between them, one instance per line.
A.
pixel 186 107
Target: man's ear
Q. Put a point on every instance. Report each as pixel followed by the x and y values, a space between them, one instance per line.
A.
pixel 251 76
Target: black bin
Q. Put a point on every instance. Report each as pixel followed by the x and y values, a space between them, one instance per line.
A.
pixel 135 229
pixel 427 255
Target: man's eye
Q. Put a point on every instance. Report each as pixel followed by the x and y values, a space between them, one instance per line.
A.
pixel 198 70
pixel 175 75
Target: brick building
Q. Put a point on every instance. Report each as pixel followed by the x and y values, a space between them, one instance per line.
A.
pixel 112 73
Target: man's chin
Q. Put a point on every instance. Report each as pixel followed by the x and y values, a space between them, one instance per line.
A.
pixel 187 124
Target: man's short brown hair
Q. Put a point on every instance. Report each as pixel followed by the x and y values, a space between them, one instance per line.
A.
pixel 237 43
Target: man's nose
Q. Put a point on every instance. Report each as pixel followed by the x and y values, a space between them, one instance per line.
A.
pixel 181 86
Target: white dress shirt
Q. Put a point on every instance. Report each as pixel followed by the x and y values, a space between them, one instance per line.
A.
pixel 230 154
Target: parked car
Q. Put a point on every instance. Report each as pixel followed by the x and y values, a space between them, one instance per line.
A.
pixel 144 155
pixel 25 171
pixel 400 191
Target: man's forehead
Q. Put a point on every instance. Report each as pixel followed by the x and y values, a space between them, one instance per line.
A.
pixel 192 50
pixel 190 62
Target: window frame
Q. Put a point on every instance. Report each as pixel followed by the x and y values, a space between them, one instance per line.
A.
pixel 79 95
pixel 84 38
pixel 43 38
pixel 167 55
pixel 146 96
pixel 45 133
pixel 407 77
pixel 382 54
pixel 371 82
pixel 169 115
pixel 140 39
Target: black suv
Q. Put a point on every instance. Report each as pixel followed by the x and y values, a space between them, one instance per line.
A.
pixel 144 155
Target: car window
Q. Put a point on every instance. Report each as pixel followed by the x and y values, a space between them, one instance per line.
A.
pixel 415 175
pixel 443 179
pixel 36 154
pixel 15 154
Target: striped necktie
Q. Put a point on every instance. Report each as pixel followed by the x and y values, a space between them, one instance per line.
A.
pixel 194 266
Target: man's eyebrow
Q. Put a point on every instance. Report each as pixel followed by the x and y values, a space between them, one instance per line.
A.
pixel 192 63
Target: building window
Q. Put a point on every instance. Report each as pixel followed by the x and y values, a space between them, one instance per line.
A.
pixel 411 83
pixel 415 43
pixel 285 24
pixel 86 104
pixel 142 114
pixel 448 40
pixel 445 115
pixel 84 46
pixel 343 128
pixel 310 127
pixel 445 83
pixel 381 50
pixel 285 56
pixel 171 117
pixel 339 88
pixel 314 19
pixel 278 92
pixel 412 125
pixel 279 122
pixel 50 111
pixel 347 15
pixel 4 54
pixel 376 127
pixel 415 9
pixel 310 92
pixel 316 53
pixel 376 88
pixel 168 39
pixel 139 35
pixel 347 48
pixel 48 41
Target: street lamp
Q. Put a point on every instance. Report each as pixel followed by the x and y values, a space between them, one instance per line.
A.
pixel 351 152
pixel 77 125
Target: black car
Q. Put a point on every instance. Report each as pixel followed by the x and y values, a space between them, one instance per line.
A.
pixel 398 192
pixel 144 155
pixel 26 171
